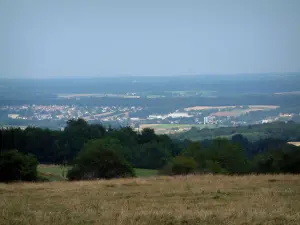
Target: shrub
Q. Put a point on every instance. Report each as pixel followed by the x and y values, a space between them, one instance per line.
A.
pixel 16 166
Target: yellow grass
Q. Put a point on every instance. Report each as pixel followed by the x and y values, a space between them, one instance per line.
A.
pixel 203 199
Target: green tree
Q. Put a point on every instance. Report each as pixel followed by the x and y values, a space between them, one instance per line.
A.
pixel 147 135
pixel 195 150
pixel 284 159
pixel 168 143
pixel 230 156
pixel 112 144
pixel 151 155
pixel 98 160
pixel 76 134
pixel 16 166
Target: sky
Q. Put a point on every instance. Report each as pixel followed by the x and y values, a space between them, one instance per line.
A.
pixel 72 38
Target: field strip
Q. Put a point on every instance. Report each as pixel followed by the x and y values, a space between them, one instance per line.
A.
pixel 258 107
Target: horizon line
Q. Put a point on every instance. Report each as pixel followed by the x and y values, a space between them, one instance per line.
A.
pixel 146 76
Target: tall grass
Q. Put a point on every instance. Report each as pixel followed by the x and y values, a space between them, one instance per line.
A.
pixel 201 199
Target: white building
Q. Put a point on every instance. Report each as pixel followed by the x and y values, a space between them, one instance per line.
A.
pixel 13 116
pixel 135 119
pixel 179 115
pixel 266 121
pixel 151 117
pixel 205 120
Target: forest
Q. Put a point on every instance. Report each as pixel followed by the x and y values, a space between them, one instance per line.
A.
pixel 85 147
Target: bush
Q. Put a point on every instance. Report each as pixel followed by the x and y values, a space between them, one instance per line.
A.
pixel 16 166
pixel 180 165
pixel 99 163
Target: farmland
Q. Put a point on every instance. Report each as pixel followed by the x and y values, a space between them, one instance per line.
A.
pixel 232 111
pixel 199 108
pixel 296 143
pixel 194 199
pixel 99 95
pixel 249 108
pixel 288 93
pixel 174 128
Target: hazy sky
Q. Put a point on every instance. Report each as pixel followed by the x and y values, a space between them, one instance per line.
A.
pixel 56 38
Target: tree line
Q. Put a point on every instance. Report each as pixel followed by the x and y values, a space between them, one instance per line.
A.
pixel 287 131
pixel 96 151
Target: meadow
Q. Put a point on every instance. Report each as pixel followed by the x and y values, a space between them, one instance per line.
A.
pixel 193 199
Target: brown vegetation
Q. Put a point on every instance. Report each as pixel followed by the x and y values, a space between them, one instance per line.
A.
pixel 203 199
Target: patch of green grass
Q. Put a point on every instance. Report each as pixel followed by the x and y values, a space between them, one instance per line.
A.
pixel 58 173
pixel 53 172
pixel 145 172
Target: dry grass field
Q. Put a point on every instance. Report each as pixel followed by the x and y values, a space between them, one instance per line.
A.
pixel 296 143
pixel 202 199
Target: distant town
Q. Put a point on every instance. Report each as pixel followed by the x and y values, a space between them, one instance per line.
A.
pixel 172 122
